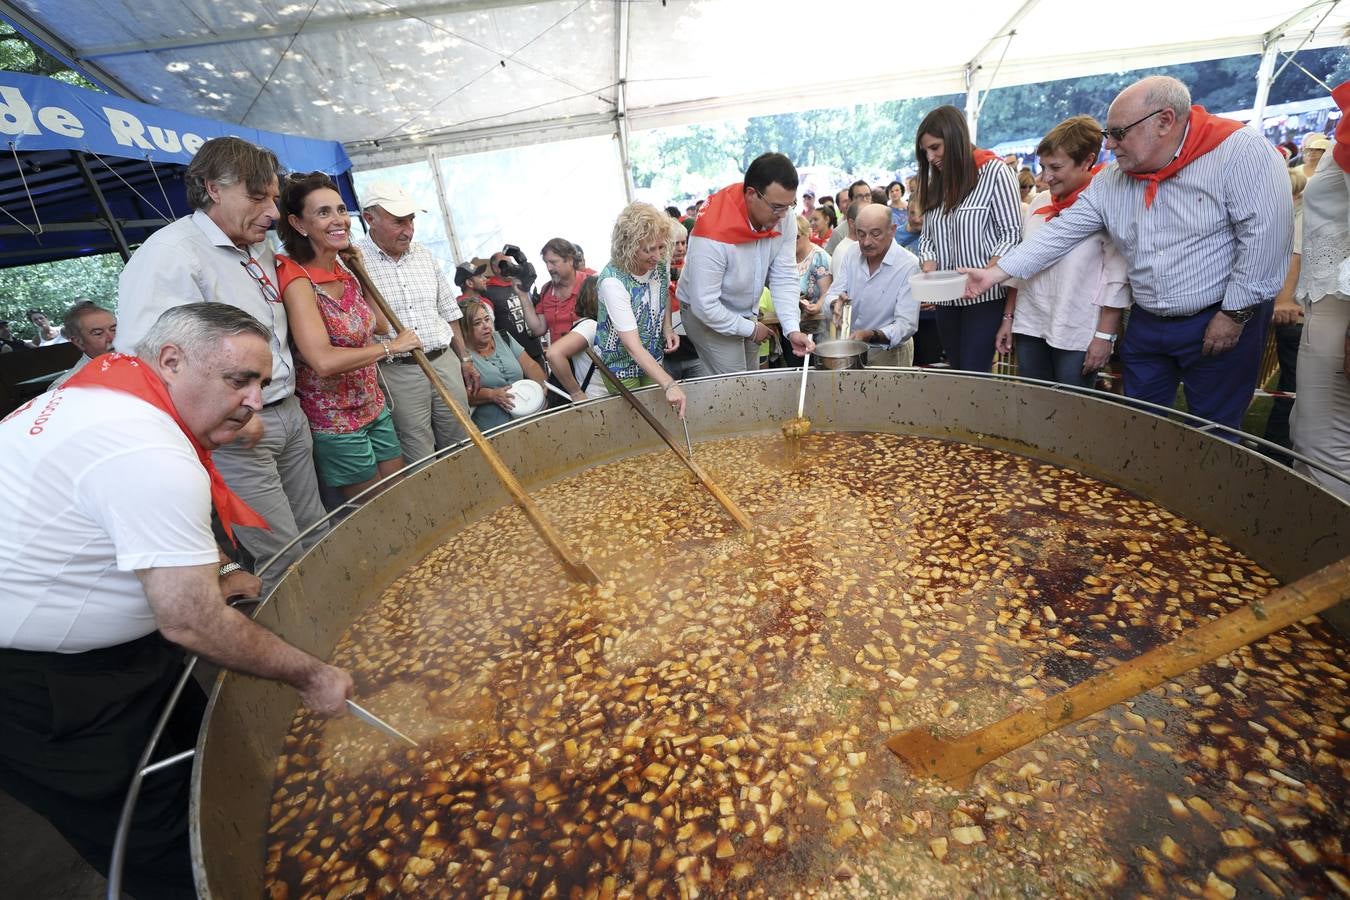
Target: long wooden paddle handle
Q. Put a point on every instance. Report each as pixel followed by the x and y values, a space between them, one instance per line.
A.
pixel 1306 597
pixel 727 503
pixel 575 566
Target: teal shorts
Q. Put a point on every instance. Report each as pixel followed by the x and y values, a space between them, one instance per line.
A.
pixel 352 457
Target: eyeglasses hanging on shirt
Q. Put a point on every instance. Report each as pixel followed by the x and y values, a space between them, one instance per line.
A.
pixel 268 289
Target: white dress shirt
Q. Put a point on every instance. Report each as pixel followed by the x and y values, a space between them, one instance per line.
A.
pixel 721 283
pixel 192 261
pixel 1220 230
pixel 881 300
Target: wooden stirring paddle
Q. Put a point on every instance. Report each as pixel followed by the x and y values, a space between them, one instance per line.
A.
pixel 955 760
pixel 720 495
pixel 575 565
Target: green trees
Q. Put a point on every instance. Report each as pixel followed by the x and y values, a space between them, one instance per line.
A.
pixel 880 136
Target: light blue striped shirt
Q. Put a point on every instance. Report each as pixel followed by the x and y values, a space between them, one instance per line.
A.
pixel 1221 229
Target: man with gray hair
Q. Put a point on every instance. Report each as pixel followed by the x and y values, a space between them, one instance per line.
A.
pixel 409 278
pixel 217 254
pixel 89 327
pixel 111 572
pixel 1200 208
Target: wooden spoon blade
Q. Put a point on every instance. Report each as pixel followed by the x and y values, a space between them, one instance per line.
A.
pixel 927 754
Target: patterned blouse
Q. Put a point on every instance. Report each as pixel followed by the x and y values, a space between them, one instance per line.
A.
pixel 336 404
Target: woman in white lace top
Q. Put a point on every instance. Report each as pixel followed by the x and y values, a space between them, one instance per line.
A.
pixel 1320 425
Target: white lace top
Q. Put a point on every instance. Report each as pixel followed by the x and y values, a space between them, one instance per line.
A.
pixel 1326 234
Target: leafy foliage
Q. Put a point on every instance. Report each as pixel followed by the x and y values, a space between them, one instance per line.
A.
pixel 54 287
pixel 880 136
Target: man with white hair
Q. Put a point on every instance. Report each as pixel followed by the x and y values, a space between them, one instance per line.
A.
pixel 409 278
pixel 111 571
pixel 1200 208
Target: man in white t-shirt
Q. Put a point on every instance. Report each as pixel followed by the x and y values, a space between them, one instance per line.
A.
pixel 111 570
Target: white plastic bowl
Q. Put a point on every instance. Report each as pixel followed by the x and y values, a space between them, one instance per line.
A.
pixel 529 397
pixel 937 287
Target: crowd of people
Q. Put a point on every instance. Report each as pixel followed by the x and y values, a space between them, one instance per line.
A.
pixel 248 378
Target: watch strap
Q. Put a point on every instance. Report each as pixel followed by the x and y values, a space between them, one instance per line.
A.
pixel 1104 336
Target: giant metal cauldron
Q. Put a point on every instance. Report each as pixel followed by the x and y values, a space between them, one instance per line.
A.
pixel 1281 520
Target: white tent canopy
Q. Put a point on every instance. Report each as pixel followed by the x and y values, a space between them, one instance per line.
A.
pixel 391 78
pixel 555 85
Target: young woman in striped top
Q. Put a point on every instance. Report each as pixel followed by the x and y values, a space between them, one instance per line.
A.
pixel 972 216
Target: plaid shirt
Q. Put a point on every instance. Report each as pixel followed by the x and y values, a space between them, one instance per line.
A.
pixel 416 290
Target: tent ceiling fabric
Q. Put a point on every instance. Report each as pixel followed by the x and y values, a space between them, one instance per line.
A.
pixel 392 79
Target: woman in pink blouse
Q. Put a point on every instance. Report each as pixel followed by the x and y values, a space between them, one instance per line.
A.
pixel 333 327
pixel 1064 320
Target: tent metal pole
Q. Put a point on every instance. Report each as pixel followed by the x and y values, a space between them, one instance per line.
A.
pixel 1264 77
pixel 972 103
pixel 109 220
pixel 447 219
pixel 621 8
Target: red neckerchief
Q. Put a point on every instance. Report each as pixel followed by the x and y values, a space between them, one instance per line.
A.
pixel 1341 151
pixel 128 374
pixel 724 218
pixel 1055 207
pixel 288 270
pixel 982 156
pixel 500 281
pixel 1205 133
pixel 820 241
pixel 676 266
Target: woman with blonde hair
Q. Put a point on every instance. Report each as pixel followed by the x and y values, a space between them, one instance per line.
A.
pixel 633 331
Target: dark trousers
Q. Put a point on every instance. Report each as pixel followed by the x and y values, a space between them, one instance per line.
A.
pixel 1287 338
pixel 72 728
pixel 1037 359
pixel 1159 353
pixel 968 334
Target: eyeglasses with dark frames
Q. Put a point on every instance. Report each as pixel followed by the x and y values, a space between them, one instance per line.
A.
pixel 1118 134
pixel 777 208
pixel 264 283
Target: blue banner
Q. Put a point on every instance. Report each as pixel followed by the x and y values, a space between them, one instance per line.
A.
pixel 43 114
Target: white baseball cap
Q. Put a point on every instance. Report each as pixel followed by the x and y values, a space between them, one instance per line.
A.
pixel 391 198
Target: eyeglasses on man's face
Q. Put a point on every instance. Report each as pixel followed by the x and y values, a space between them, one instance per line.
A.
pixel 1118 134
pixel 777 208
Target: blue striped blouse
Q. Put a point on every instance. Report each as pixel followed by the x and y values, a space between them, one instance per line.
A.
pixel 986 224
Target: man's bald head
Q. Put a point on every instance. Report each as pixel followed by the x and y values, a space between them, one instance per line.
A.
pixel 873 215
pixel 1146 123
pixel 1154 92
pixel 874 230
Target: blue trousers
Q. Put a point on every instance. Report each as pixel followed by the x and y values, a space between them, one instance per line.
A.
pixel 1159 353
pixel 1037 359
pixel 968 334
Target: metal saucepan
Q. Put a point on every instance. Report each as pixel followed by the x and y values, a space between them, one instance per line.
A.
pixel 841 354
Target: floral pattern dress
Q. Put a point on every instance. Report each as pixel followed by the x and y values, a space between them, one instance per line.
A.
pixel 810 271
pixel 336 404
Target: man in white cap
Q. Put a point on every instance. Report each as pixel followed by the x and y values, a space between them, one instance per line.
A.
pixel 407 275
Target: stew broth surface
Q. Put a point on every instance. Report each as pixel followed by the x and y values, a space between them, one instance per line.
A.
pixel 710 720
